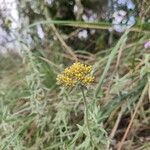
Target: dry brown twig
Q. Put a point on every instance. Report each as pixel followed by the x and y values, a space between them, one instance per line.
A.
pixel 69 49
pixel 123 107
pixel 133 116
pixel 59 37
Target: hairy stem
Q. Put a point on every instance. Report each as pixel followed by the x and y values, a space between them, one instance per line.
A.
pixel 86 113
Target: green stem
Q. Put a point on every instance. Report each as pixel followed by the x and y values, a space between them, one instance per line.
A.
pixel 86 112
pixel 86 121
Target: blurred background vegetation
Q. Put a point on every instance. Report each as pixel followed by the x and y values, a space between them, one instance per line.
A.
pixel 38 39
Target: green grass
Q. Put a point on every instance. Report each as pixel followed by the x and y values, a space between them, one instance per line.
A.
pixel 36 113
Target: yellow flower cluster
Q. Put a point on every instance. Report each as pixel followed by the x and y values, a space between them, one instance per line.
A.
pixel 77 73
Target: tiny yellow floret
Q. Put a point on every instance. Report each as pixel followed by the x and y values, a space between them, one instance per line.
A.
pixel 88 80
pixel 77 73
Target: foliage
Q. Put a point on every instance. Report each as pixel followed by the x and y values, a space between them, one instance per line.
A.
pixel 36 113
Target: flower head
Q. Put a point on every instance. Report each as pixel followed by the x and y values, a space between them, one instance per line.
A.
pixel 147 44
pixel 76 74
